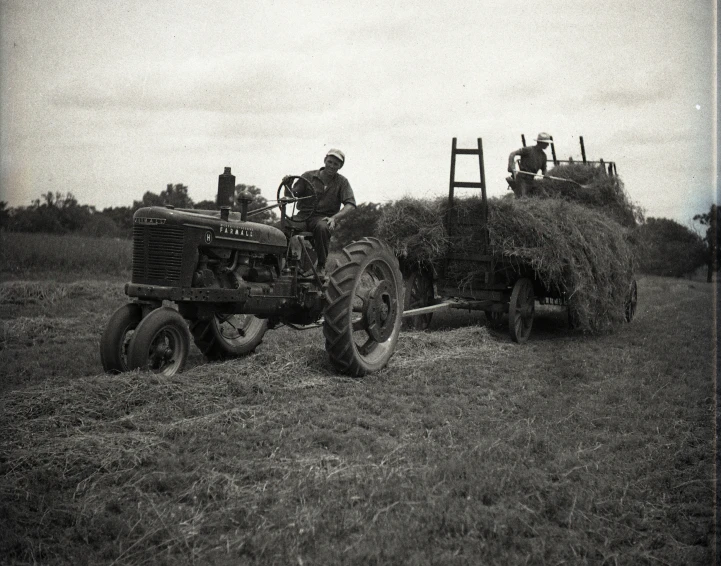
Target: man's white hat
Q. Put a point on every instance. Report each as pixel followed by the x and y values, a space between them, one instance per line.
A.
pixel 543 137
pixel 338 154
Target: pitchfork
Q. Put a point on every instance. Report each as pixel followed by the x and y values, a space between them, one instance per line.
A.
pixel 554 178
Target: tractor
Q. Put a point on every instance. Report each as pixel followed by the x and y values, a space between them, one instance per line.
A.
pixel 221 280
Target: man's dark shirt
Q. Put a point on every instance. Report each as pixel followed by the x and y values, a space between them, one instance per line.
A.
pixel 330 198
pixel 533 159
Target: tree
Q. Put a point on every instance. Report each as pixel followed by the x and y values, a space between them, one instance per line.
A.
pixel 259 201
pixel 206 205
pixel 174 195
pixel 669 248
pixel 56 213
pixel 4 214
pixel 711 220
pixel 122 216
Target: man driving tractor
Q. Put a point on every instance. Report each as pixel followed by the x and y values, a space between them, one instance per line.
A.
pixel 532 160
pixel 333 200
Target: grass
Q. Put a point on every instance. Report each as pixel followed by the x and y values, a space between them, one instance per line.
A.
pixel 24 255
pixel 466 449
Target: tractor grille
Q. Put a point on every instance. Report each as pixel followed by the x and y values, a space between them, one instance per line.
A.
pixel 157 254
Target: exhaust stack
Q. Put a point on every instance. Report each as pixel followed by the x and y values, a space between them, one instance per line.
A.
pixel 226 189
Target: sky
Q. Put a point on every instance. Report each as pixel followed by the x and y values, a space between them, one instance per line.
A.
pixel 108 99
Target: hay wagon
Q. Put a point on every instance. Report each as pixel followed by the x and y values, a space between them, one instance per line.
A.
pixel 470 276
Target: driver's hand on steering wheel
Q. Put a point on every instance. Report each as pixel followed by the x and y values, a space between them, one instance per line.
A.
pixel 288 181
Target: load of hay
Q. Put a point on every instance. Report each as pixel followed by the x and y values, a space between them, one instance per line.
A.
pixel 575 250
pixel 414 228
pixel 599 191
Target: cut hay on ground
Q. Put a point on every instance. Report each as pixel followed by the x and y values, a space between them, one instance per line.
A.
pixel 572 249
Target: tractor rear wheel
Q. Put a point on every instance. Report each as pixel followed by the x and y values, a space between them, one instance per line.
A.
pixel 116 337
pixel 364 299
pixel 161 343
pixel 228 336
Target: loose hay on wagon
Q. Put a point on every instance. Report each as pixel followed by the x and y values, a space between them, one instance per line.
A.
pixel 565 247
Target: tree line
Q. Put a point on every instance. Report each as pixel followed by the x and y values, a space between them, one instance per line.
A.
pixel 664 246
pixel 58 213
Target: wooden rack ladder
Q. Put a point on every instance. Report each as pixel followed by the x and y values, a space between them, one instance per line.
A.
pixel 608 167
pixel 452 215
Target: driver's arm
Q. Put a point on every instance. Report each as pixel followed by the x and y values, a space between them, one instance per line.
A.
pixel 512 159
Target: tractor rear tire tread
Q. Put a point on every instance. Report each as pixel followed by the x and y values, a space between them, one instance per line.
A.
pixel 337 327
pixel 214 348
pixel 113 349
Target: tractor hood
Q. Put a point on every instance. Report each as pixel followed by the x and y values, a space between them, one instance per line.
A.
pixel 231 230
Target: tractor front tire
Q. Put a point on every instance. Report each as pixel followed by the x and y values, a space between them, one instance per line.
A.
pixel 364 300
pixel 116 338
pixel 228 336
pixel 161 343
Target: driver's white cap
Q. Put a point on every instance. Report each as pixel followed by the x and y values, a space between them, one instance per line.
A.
pixel 338 154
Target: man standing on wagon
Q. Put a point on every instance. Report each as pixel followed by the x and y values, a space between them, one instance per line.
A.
pixel 333 200
pixel 533 159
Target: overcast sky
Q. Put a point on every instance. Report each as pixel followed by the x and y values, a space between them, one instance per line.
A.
pixel 109 99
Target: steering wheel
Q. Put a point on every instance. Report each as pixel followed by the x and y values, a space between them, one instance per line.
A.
pixel 302 215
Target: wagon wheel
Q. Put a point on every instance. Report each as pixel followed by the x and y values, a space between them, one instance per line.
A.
pixel 418 293
pixel 631 301
pixel 364 299
pixel 161 343
pixel 520 310
pixel 228 336
pixel 116 338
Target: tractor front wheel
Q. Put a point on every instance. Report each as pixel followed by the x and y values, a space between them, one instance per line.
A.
pixel 116 338
pixel 364 299
pixel 228 336
pixel 161 343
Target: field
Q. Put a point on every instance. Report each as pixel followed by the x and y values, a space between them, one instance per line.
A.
pixel 466 449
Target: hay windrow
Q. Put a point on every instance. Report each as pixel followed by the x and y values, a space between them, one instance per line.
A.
pixel 574 250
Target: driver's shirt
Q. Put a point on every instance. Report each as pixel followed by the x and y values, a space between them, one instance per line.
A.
pixel 329 197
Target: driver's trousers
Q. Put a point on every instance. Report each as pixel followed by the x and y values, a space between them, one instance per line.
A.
pixel 321 237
